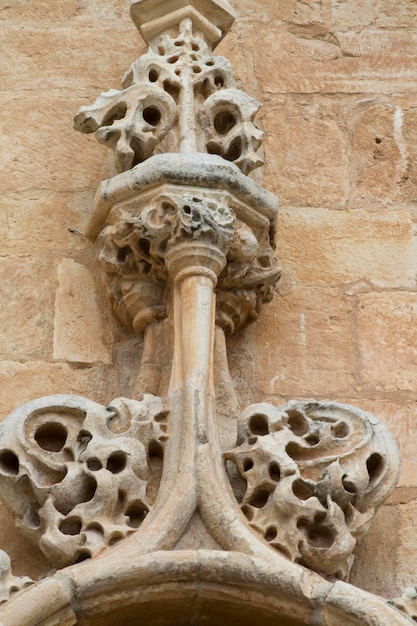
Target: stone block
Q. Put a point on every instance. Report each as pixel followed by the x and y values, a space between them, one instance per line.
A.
pixel 376 14
pixel 22 382
pixel 379 152
pixel 304 66
pixel 303 345
pixel 80 332
pixel 387 334
pixel 45 11
pixel 306 156
pixel 292 14
pixel 44 218
pixel 42 151
pixel 407 537
pixel 26 314
pixel 376 556
pixel 330 247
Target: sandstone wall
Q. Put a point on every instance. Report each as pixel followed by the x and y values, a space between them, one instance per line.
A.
pixel 337 80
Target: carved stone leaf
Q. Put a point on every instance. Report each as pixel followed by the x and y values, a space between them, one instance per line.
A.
pixel 315 475
pixel 74 473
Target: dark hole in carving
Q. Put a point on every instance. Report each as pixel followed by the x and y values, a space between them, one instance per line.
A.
pixel 9 463
pixel 293 450
pixel 178 72
pixel 196 69
pixel 84 438
pixel 162 416
pixel 32 518
pixel 172 90
pixel 153 75
pixel 195 47
pixel 340 430
pixel 270 533
pixel 374 465
pixel 247 465
pixel 83 556
pixel 219 81
pixel 116 462
pixel 317 536
pixel 173 59
pixel 274 471
pixel 297 422
pixel 83 488
pixel 235 150
pixel 223 122
pixel 123 253
pixel 94 464
pixel 349 512
pixel 121 496
pixel 179 43
pixel 378 140
pixel 348 485
pixel 96 529
pixel 302 490
pixel 313 439
pixel 51 436
pixel 264 261
pixel 137 150
pixel 117 113
pixel 136 513
pixel 151 115
pixel 155 455
pixel 115 538
pixel 259 498
pixel 252 440
pixel 247 512
pixel 70 526
pixel 258 424
pixel 143 245
pixel 187 209
pixel 238 482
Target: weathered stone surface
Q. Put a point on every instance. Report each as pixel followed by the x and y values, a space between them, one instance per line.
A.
pixel 332 247
pixel 26 313
pixel 305 67
pixel 379 14
pixel 387 335
pixel 405 563
pixel 297 171
pixel 304 345
pixel 81 334
pixel 27 381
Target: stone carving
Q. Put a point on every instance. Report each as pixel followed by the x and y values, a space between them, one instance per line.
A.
pixel 10 584
pixel 184 233
pixel 407 603
pixel 315 474
pixel 75 473
pixel 181 92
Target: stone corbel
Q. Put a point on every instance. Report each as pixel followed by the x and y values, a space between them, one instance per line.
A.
pixel 140 503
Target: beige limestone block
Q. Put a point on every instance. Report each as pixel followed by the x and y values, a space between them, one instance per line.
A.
pixel 407 538
pixel 409 134
pixel 80 333
pixel 41 55
pixel 379 152
pixel 376 556
pixel 303 345
pixel 291 13
pixel 50 220
pixel 37 155
pixel 298 171
pixel 286 64
pixel 377 14
pixel 26 313
pixel 374 41
pixel 387 334
pixel 22 382
pixel 45 10
pixel 331 247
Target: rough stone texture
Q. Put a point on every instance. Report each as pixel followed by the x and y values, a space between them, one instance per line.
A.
pixel 79 333
pixel 334 77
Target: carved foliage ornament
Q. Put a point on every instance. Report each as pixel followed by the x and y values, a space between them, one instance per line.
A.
pixel 188 236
